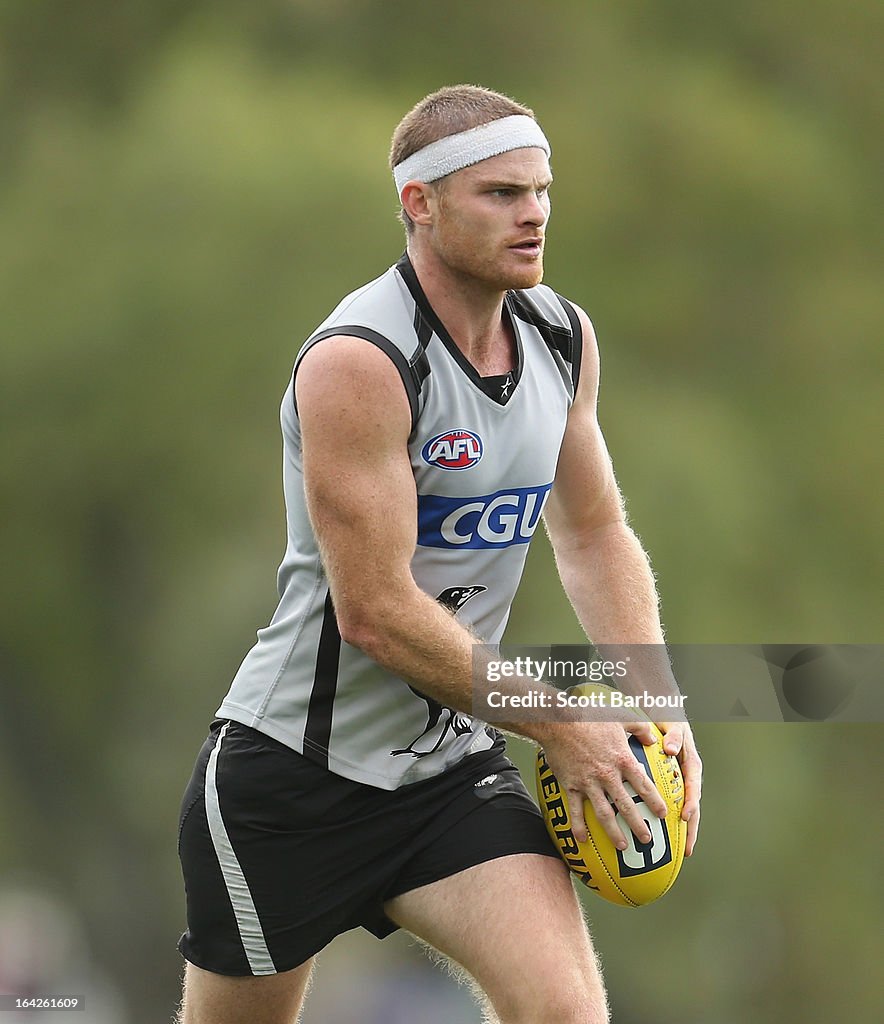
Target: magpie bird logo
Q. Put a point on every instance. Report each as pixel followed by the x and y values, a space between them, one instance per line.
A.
pixel 442 720
pixel 454 598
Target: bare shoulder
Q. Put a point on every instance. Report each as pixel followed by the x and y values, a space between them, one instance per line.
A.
pixel 343 379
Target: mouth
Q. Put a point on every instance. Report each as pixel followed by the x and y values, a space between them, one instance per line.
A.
pixel 529 246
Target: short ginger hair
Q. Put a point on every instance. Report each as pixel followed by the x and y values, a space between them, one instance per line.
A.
pixel 452 109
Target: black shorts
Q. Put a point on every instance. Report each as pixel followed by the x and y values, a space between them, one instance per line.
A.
pixel 280 855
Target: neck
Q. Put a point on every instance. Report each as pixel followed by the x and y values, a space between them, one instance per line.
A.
pixel 471 311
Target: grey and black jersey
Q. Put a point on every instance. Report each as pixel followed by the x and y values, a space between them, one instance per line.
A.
pixel 483 467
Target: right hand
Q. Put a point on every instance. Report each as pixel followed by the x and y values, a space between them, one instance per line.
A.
pixel 592 761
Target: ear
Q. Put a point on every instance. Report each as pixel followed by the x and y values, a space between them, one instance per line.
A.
pixel 417 200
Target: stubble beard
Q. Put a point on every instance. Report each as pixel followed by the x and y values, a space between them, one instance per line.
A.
pixel 489 269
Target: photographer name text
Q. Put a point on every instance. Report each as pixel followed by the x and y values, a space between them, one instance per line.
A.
pixel 570 699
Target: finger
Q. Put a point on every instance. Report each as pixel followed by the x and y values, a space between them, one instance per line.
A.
pixel 643 732
pixel 673 737
pixel 576 815
pixel 632 813
pixel 644 787
pixel 693 829
pixel 692 769
pixel 606 814
pixel 692 790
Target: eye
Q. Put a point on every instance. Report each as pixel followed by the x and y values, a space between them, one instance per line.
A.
pixel 503 192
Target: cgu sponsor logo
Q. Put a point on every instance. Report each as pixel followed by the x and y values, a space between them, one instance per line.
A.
pixel 496 520
pixel 453 449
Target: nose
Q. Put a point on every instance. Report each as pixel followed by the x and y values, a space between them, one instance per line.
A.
pixel 535 210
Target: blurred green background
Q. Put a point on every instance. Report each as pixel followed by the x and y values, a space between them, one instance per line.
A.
pixel 186 189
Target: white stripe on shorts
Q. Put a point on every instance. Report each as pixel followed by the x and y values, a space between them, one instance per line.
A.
pixel 250 930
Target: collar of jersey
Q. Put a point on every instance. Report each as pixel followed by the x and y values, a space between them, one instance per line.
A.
pixel 408 274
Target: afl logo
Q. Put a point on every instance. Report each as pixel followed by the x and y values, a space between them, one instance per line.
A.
pixel 455 449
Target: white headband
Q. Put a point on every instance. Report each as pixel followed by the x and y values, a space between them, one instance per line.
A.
pixel 464 149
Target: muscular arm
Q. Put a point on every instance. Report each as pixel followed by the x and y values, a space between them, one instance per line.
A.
pixel 602 565
pixel 355 423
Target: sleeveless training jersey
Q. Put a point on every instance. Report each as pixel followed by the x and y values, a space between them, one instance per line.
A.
pixel 483 470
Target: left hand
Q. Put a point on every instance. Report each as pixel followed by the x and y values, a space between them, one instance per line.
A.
pixel 678 740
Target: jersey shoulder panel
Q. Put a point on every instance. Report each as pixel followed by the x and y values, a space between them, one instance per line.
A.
pixel 557 322
pixel 384 314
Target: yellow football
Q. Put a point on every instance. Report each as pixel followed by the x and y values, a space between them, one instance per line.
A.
pixel 642 872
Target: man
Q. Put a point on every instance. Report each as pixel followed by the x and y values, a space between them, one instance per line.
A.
pixel 430 419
